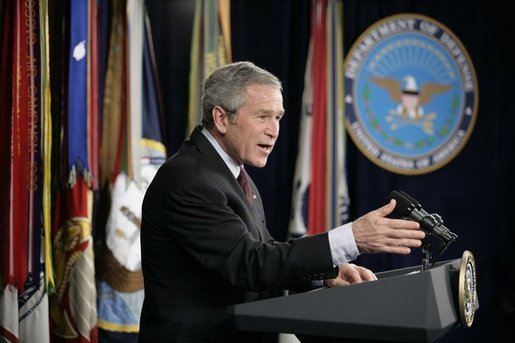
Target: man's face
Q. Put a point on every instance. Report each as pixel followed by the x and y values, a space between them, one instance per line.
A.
pixel 251 136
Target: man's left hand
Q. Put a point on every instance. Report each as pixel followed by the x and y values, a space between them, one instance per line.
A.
pixel 349 274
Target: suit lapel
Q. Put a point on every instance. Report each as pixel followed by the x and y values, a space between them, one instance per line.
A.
pixel 257 211
pixel 214 159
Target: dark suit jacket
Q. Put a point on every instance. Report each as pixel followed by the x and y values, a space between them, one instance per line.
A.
pixel 204 248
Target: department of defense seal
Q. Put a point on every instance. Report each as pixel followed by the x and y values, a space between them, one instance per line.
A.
pixel 411 94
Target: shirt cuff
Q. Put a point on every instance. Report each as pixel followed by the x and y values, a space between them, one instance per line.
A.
pixel 343 245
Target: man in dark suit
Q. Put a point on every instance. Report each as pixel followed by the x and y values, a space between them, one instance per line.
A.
pixel 204 241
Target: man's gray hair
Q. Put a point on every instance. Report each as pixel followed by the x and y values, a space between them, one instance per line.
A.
pixel 226 87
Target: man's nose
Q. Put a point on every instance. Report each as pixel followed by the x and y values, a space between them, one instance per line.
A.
pixel 273 128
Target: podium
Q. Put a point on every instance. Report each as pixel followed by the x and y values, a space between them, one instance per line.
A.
pixel 403 305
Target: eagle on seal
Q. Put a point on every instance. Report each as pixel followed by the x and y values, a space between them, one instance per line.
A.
pixel 410 99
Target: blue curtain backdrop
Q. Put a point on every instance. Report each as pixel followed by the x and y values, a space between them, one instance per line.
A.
pixel 474 193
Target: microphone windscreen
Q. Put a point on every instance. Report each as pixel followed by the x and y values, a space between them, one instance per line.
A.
pixel 410 198
pixel 404 205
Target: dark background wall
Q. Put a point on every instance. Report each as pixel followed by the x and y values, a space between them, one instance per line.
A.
pixel 473 193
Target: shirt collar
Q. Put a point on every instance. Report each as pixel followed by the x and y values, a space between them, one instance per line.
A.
pixel 229 161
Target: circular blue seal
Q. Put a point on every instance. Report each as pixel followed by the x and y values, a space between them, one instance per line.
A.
pixel 411 94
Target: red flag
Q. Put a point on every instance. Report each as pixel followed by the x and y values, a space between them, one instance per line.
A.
pixel 5 136
pixel 92 94
pixel 24 142
pixel 317 199
pixel 320 197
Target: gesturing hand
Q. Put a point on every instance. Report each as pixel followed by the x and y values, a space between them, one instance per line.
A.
pixel 374 232
pixel 349 274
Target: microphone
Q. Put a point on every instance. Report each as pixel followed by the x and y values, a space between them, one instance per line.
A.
pixel 432 224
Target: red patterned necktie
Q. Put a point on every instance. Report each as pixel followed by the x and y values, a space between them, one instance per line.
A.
pixel 244 183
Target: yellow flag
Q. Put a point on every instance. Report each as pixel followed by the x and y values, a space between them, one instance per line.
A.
pixel 210 48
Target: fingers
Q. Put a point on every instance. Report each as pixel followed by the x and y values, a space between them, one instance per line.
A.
pixel 351 274
pixel 367 275
pixel 402 224
pixel 396 223
pixel 394 250
pixel 356 274
pixel 407 235
pixel 337 282
pixel 386 209
pixel 392 245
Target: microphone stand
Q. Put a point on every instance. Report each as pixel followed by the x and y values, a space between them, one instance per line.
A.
pixel 426 255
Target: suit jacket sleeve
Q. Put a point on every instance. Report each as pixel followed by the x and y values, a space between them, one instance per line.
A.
pixel 215 227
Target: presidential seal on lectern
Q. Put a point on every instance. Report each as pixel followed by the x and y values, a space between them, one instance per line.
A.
pixel 467 289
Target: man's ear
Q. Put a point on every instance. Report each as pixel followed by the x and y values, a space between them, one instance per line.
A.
pixel 220 119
